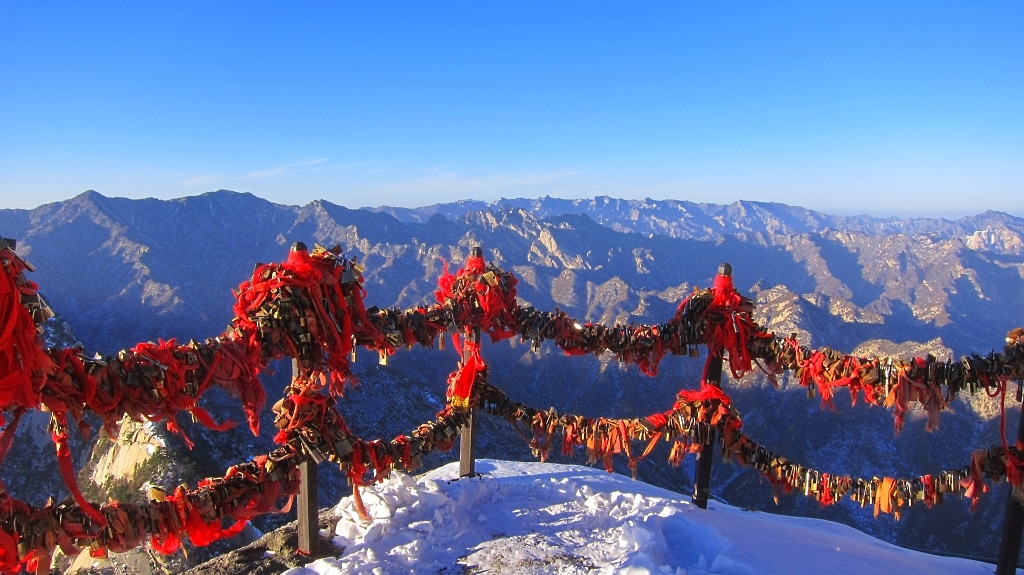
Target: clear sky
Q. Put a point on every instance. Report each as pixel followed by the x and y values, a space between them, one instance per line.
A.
pixel 848 107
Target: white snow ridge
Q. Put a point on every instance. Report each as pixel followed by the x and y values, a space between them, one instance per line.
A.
pixel 569 519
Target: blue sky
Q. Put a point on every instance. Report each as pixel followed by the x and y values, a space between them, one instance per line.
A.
pixel 909 108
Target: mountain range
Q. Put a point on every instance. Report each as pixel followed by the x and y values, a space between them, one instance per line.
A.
pixel 120 271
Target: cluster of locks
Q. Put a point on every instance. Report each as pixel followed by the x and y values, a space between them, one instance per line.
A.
pixel 308 308
pixel 885 494
pixel 701 418
pixel 893 382
pixel 695 420
pixel 643 345
pixel 26 291
pixel 217 508
pixel 310 427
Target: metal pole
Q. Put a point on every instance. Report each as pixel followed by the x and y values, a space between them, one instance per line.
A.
pixel 702 484
pixel 1013 521
pixel 309 505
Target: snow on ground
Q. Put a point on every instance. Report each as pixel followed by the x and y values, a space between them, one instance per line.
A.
pixel 569 519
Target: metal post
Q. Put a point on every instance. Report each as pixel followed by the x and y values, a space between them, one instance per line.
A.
pixel 713 376
pixel 309 505
pixel 1013 521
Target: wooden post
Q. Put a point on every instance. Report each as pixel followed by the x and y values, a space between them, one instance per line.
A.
pixel 467 458
pixel 309 520
pixel 713 369
pixel 309 505
pixel 1013 521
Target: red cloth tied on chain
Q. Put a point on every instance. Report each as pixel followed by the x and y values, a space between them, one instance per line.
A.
pixel 59 435
pixel 69 389
pixel 444 284
pixel 235 367
pixel 826 492
pixel 729 326
pixel 499 320
pixel 648 358
pixel 357 472
pixel 475 265
pixel 705 393
pixel 10 560
pixel 495 299
pixel 928 484
pixel 23 363
pixel 244 495
pixel 710 395
pixel 460 382
pixel 199 531
pixel 259 495
pixel 815 370
pixel 303 410
pixel 973 484
pixel 325 312
pixel 1014 463
pixel 173 393
pixel 899 396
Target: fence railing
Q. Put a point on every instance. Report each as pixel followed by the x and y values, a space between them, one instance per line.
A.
pixel 311 308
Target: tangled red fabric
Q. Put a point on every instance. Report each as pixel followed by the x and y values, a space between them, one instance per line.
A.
pixel 23 363
pixel 729 325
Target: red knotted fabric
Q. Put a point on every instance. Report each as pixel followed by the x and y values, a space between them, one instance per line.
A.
pixel 1014 463
pixel 202 533
pixel 172 396
pixel 929 490
pixel 59 435
pixel 729 326
pixel 258 494
pixel 236 367
pixel 10 560
pixel 973 484
pixel 460 382
pixel 884 497
pixel 325 313
pixel 474 288
pixel 23 363
pixel 306 410
pixel 899 397
pixel 648 358
pixel 165 545
pixel 826 492
pixel 69 389
pixel 705 393
pixel 813 371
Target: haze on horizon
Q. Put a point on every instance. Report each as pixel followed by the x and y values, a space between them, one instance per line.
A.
pixel 912 109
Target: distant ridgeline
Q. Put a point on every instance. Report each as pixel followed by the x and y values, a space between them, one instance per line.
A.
pixel 311 308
